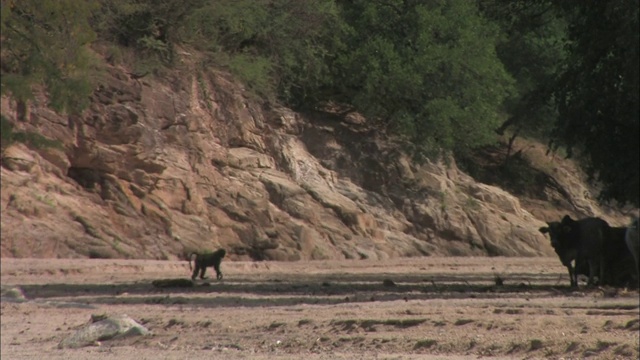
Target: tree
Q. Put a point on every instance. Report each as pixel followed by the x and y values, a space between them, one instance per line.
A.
pixel 427 70
pixel 597 95
pixel 277 47
pixel 532 49
pixel 45 43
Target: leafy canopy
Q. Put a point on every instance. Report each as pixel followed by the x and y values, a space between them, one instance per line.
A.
pixel 427 70
pixel 279 48
pixel 444 74
pixel 44 42
pixel 598 95
pixel 532 48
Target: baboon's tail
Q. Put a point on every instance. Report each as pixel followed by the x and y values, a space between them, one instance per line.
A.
pixel 190 257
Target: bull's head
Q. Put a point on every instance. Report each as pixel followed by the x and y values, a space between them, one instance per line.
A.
pixel 557 232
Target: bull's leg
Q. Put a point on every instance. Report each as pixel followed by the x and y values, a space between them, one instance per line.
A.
pixel 634 253
pixel 593 267
pixel 637 271
pixel 601 279
pixel 572 279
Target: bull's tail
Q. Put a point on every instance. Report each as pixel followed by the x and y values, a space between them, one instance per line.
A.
pixel 190 257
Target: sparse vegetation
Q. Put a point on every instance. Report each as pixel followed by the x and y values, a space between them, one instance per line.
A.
pixel 275 325
pixel 472 203
pixel 461 322
pixel 573 346
pixel 388 283
pixel 205 324
pixel 204 92
pixel 174 322
pixel 515 348
pixel 116 244
pixel 442 196
pixel 602 345
pixel 98 317
pixel 34 140
pixel 535 344
pixel 513 311
pixel 425 344
pixel 101 253
pixel 46 200
pixel 88 228
pixel 633 325
pixel 624 350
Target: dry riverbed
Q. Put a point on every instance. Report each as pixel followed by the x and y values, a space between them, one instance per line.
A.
pixel 419 308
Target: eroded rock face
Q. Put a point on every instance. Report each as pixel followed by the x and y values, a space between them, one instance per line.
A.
pixel 157 168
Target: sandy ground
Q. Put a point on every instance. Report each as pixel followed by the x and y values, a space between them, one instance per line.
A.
pixel 433 308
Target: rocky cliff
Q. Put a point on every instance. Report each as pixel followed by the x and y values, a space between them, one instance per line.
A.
pixel 158 167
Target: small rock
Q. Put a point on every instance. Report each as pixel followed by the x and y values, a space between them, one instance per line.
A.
pixel 13 294
pixel 388 283
pixel 354 118
pixel 98 317
pixel 18 158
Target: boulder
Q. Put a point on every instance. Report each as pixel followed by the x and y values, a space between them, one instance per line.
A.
pixel 112 327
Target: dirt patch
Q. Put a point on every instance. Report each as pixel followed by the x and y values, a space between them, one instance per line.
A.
pixel 447 308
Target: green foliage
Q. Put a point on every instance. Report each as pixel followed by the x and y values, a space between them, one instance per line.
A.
pixel 309 35
pixel 444 74
pixel 31 139
pixel 532 49
pixel 229 26
pixel 425 70
pixel 598 92
pixel 6 132
pixel 253 71
pixel 576 65
pixel 227 31
pixel 149 27
pixel 45 43
pixel 279 48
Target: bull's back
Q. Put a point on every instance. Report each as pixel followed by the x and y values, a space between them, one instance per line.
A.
pixel 591 236
pixel 615 241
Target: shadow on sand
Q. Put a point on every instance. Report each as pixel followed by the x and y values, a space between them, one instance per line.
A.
pixel 318 290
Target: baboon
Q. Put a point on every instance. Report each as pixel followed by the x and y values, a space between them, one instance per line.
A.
pixel 204 260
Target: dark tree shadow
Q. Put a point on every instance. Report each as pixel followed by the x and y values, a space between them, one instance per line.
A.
pixel 320 290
